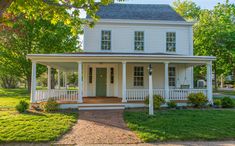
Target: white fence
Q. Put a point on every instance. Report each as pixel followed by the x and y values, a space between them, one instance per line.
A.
pixel 58 95
pixel 174 94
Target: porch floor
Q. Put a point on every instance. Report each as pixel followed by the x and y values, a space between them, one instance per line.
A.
pixel 99 100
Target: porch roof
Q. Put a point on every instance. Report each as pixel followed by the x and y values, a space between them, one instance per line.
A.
pixel 68 61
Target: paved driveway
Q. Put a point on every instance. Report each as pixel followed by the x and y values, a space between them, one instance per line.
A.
pixel 100 127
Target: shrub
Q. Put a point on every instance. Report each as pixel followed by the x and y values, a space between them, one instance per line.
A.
pixel 50 106
pixel 227 102
pixel 217 102
pixel 171 104
pixel 197 99
pixel 22 106
pixel 157 101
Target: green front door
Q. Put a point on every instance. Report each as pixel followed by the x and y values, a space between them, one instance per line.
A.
pixel 101 80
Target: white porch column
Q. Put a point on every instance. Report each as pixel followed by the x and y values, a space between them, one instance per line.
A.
pixel 58 79
pixel 124 81
pixel 33 82
pixel 209 83
pixel 80 84
pixel 48 77
pixel 166 82
pixel 151 112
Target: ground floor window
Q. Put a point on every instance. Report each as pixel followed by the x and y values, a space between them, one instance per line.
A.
pixel 172 76
pixel 138 76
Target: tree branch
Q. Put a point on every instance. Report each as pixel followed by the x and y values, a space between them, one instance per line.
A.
pixel 84 6
pixel 4 4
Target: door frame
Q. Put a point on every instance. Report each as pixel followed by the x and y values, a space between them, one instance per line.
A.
pixel 114 87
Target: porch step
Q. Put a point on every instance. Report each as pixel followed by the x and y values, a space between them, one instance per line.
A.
pixel 101 106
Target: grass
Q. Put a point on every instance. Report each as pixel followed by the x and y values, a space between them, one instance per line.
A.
pixel 10 97
pixel 226 92
pixel 182 125
pixel 30 126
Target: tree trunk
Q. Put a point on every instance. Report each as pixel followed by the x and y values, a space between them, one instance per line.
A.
pixel 222 81
pixel 215 76
pixel 4 4
pixel 29 84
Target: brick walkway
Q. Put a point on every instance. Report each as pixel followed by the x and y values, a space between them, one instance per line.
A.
pixel 100 127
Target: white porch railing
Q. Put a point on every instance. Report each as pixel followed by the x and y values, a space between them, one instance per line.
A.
pixel 182 94
pixel 174 94
pixel 58 95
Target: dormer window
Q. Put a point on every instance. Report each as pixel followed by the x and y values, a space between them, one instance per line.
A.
pixel 170 42
pixel 139 41
pixel 106 40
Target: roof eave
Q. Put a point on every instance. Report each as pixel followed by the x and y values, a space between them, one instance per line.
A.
pixel 133 21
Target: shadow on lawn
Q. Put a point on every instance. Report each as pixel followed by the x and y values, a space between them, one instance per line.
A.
pixel 42 113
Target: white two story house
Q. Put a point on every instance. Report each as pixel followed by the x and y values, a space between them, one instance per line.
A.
pixel 118 51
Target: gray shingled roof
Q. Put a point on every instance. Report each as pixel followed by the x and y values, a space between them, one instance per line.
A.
pixel 139 12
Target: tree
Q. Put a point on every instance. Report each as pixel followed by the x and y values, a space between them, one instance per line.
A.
pixel 52 10
pixel 214 36
pixel 187 9
pixel 28 37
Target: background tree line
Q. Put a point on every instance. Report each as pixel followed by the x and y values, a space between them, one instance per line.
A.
pixel 214 35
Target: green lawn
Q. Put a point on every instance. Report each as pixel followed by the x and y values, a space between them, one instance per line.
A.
pixel 226 92
pixel 10 97
pixel 31 126
pixel 182 124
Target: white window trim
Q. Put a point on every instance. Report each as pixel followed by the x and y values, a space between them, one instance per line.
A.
pixel 106 40
pixel 143 41
pixel 172 87
pixel 138 76
pixel 175 42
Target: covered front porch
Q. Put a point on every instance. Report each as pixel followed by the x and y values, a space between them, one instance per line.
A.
pixel 109 78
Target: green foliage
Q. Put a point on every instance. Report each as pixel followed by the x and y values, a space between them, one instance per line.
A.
pixel 227 102
pixel 187 9
pixel 32 37
pixel 50 106
pixel 171 104
pixel 66 12
pixel 182 125
pixel 214 34
pixel 197 99
pixel 157 101
pixel 218 102
pixel 22 106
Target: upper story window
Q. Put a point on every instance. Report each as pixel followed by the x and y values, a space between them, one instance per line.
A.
pixel 170 42
pixel 139 40
pixel 138 76
pixel 172 75
pixel 106 40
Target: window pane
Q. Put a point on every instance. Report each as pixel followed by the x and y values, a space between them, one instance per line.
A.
pixel 139 40
pixel 106 40
pixel 170 42
pixel 138 76
pixel 172 76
